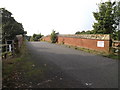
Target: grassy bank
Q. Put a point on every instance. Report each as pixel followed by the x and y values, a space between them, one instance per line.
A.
pixel 15 67
pixel 104 54
pixel 24 71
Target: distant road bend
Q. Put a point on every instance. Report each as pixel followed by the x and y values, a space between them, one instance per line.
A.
pixel 90 70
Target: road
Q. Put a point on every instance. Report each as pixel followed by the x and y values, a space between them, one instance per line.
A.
pixel 87 69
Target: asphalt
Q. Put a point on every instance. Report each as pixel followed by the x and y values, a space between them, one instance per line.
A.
pixel 80 69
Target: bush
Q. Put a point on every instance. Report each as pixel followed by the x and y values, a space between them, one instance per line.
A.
pixel 53 37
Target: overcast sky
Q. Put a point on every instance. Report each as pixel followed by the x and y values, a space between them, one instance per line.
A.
pixel 42 16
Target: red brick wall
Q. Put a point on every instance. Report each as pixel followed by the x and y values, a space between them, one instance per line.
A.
pixel 47 38
pixel 81 42
pixel 85 43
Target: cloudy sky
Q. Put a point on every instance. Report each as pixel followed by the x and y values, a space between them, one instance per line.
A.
pixel 42 16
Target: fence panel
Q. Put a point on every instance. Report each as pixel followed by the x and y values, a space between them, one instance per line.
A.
pixel 5 49
pixel 116 47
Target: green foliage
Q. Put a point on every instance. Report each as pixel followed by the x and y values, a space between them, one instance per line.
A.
pixel 54 37
pixel 117 19
pixel 105 18
pixel 85 32
pixel 108 20
pixel 82 32
pixel 36 37
pixel 117 14
pixel 116 35
pixel 78 32
pixel 10 27
pixel 28 38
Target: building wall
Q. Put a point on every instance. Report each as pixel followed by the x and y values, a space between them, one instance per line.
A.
pixel 90 42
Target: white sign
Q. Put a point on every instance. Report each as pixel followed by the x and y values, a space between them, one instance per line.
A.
pixel 100 43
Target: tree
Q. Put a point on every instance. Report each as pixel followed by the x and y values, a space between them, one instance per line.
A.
pixel 117 19
pixel 36 37
pixel 117 14
pixel 28 38
pixel 78 32
pixel 10 27
pixel 53 37
pixel 85 32
pixel 105 18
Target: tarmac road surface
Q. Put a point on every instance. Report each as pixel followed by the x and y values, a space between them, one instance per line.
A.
pixel 87 69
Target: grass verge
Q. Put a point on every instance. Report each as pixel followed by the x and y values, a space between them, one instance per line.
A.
pixel 23 71
pixel 108 55
pixel 13 68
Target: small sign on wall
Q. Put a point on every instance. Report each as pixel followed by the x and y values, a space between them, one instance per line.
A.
pixel 100 43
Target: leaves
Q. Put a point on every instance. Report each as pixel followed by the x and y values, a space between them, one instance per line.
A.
pixel 36 37
pixel 105 18
pixel 53 37
pixel 10 27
